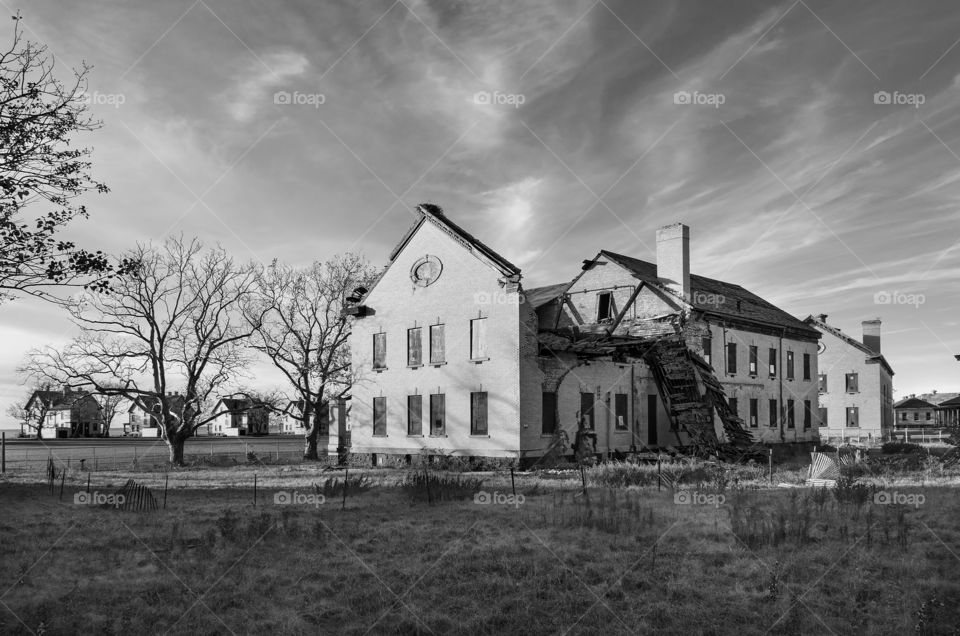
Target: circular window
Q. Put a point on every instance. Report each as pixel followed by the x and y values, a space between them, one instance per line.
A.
pixel 426 270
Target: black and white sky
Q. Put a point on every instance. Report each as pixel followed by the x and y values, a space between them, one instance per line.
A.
pixel 817 159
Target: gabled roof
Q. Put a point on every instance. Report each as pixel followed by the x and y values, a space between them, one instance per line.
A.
pixel 718 298
pixel 57 400
pixel 952 402
pixel 540 296
pixel 853 342
pixel 429 212
pixel 914 403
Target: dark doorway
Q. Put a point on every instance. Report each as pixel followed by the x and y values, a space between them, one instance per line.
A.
pixel 652 403
pixel 586 410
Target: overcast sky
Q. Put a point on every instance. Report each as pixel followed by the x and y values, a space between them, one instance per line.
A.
pixel 796 184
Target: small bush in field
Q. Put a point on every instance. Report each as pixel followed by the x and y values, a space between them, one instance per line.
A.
pixel 900 448
pixel 227 524
pixel 354 485
pixel 433 486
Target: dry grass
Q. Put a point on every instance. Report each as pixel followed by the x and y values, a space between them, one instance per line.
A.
pixel 614 561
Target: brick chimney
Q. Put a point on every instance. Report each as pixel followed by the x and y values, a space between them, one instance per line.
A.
pixel 871 334
pixel 822 317
pixel 673 258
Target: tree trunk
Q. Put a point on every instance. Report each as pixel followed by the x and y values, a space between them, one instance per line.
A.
pixel 310 443
pixel 176 444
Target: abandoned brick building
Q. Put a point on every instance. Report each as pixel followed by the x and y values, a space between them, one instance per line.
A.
pixel 456 358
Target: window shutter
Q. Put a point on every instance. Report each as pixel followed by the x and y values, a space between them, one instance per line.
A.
pixel 379 350
pixel 478 413
pixel 478 338
pixel 436 344
pixel 414 348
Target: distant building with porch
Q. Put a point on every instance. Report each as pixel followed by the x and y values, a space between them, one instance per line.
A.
pixel 145 422
pixel 65 413
pixel 949 413
pixel 236 417
pixel 855 384
pixel 915 412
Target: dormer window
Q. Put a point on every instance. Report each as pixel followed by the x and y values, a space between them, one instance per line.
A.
pixel 605 306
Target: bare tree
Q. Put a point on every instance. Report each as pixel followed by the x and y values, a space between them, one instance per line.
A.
pixel 303 331
pixel 175 320
pixel 38 164
pixel 31 411
pixel 108 410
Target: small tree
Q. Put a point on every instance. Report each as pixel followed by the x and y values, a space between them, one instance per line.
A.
pixel 38 164
pixel 108 410
pixel 175 320
pixel 302 330
pixel 31 411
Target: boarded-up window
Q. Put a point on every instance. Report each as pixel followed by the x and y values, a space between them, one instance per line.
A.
pixel 379 416
pixel 620 411
pixel 414 415
pixel 823 383
pixel 734 406
pixel 414 347
pixel 807 415
pixel 806 366
pixel 478 413
pixel 791 417
pixel 753 360
pixel 754 412
pixel 478 339
pixel 853 416
pixel 773 363
pixel 549 413
pixel 586 410
pixel 731 357
pixel 790 375
pixel 437 354
pixel 774 414
pixel 853 383
pixel 823 416
pixel 438 414
pixel 379 351
pixel 708 350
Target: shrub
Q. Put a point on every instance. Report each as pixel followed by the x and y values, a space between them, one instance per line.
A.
pixel 900 448
pixel 424 485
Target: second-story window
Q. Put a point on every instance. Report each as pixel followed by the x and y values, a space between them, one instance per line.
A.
pixel 708 350
pixel 806 366
pixel 414 347
pixel 790 374
pixel 380 350
pixel 773 363
pixel 478 339
pixel 823 383
pixel 853 383
pixel 437 354
pixel 605 308
pixel 731 357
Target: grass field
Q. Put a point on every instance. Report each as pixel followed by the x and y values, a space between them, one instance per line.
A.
pixel 413 553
